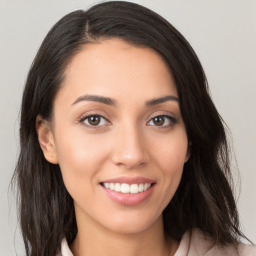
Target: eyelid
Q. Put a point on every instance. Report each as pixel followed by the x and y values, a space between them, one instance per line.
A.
pixel 167 114
pixel 94 112
pixel 171 118
pixel 88 115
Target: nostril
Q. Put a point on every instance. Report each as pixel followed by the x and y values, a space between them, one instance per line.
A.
pixel 129 161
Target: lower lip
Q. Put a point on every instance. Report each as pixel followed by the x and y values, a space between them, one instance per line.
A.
pixel 128 199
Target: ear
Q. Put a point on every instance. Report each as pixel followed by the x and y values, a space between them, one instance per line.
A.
pixel 46 140
pixel 188 151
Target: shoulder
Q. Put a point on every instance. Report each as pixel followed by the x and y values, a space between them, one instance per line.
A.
pixel 196 243
pixel 65 250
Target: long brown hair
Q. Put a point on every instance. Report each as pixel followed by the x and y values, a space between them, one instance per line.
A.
pixel 204 198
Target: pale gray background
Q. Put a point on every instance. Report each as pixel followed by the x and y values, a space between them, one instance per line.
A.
pixel 222 32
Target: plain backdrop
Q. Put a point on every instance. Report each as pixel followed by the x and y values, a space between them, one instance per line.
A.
pixel 223 34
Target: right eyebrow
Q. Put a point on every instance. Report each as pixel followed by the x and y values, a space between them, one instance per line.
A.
pixel 96 98
pixel 162 100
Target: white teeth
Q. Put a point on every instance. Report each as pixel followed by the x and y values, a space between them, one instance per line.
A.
pixel 117 187
pixel 107 185
pixel 126 188
pixel 141 187
pixel 134 189
pixel 112 186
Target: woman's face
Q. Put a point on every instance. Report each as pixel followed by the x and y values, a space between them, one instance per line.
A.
pixel 118 136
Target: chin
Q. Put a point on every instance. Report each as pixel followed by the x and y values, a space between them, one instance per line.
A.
pixel 133 223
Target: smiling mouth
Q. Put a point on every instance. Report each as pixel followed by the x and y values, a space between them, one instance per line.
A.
pixel 126 188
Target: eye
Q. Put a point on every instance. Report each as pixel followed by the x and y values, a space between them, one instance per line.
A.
pixel 162 120
pixel 94 121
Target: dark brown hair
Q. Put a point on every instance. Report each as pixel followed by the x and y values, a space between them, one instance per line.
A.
pixel 204 198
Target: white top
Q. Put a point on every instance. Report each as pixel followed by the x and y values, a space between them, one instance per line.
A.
pixel 194 244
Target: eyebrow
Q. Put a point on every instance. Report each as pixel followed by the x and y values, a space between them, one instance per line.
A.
pixel 112 102
pixel 100 99
pixel 161 100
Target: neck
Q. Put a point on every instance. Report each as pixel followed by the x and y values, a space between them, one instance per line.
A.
pixel 96 240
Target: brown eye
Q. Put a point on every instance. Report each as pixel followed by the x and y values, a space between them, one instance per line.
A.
pixel 94 120
pixel 162 121
pixel 159 120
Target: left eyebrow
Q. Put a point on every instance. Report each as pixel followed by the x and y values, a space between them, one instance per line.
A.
pixel 100 99
pixel 161 100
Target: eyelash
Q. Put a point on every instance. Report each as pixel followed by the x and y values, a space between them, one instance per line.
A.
pixel 83 119
pixel 171 119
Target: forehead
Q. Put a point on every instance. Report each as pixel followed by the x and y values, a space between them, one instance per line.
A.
pixel 113 66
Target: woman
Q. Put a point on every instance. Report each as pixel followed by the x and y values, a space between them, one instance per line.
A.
pixel 122 150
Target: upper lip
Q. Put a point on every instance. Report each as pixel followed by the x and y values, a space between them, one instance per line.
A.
pixel 129 180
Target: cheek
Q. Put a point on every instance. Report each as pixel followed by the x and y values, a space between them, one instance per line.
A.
pixel 80 161
pixel 171 152
pixel 170 156
pixel 78 151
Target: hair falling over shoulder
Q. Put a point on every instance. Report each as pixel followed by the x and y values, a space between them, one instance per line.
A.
pixel 204 198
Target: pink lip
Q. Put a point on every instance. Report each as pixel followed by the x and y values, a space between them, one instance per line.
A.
pixel 129 199
pixel 129 180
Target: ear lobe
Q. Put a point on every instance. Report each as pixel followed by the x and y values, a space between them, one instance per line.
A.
pixel 46 140
pixel 188 151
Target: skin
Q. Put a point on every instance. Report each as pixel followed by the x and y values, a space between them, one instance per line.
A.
pixel 126 143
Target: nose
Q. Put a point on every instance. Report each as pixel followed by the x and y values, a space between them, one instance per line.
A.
pixel 130 149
